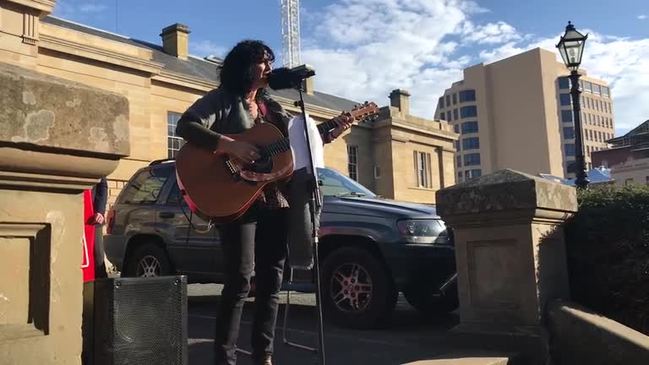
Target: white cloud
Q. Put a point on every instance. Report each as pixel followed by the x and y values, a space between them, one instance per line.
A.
pixel 362 49
pixel 642 17
pixel 491 33
pixel 207 48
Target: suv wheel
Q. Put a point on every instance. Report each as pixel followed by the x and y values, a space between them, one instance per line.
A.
pixel 357 290
pixel 148 260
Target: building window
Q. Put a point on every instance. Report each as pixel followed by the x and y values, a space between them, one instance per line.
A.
pixel 566 116
pixel 564 83
pixel 470 127
pixel 472 174
pixel 422 169
pixel 457 145
pixel 455 116
pixel 568 132
pixel 564 99
pixel 440 102
pixel 597 89
pixel 467 95
pixel 458 161
pixel 468 111
pixel 454 99
pixel 570 149
pixel 471 159
pixel 628 181
pixel 377 171
pixel 588 86
pixel 442 116
pixel 173 141
pixel 456 128
pixel 459 176
pixel 448 100
pixel 471 143
pixel 352 162
pixel 605 91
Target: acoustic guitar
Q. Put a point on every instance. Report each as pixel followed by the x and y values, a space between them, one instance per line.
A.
pixel 220 188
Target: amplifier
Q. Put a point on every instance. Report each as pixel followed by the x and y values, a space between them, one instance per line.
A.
pixel 140 321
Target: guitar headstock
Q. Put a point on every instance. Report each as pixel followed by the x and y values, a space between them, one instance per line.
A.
pixel 366 111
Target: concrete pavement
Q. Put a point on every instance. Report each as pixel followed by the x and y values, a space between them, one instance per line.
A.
pixel 410 339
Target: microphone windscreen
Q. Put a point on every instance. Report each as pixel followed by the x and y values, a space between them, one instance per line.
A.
pixel 281 78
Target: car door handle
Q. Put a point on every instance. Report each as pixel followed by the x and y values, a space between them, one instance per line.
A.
pixel 166 214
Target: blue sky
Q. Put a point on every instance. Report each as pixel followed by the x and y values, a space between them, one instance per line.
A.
pixel 362 49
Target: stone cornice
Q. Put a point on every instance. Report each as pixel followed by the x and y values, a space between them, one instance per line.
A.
pixel 184 80
pixel 45 6
pixel 98 54
pixel 431 132
pixel 51 171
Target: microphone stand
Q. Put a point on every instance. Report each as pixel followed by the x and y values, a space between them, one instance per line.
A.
pixel 315 204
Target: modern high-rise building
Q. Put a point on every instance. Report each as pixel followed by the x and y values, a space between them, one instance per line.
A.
pixel 517 113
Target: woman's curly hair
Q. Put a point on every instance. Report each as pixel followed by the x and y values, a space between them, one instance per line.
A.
pixel 236 73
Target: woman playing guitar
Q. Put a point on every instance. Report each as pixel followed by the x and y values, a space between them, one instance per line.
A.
pixel 257 239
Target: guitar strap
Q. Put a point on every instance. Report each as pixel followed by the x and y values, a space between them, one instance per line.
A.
pixel 263 109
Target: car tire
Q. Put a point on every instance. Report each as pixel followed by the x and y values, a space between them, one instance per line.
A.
pixel 147 260
pixel 357 290
pixel 428 302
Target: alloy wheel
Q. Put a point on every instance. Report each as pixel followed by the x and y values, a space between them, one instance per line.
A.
pixel 351 287
pixel 148 267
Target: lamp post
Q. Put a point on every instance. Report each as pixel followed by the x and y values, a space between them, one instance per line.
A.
pixel 571 48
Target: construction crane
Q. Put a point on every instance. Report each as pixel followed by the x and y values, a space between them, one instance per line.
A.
pixel 291 32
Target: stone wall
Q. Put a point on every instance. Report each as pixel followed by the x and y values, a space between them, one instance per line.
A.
pixel 57 138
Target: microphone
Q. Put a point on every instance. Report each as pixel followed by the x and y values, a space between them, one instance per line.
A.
pixel 289 78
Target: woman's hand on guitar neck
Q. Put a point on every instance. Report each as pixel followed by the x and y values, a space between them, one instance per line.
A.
pixel 243 151
pixel 343 122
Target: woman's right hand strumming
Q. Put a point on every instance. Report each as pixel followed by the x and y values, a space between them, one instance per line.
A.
pixel 243 151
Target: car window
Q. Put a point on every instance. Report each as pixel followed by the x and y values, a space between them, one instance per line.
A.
pixel 145 187
pixel 334 183
pixel 175 198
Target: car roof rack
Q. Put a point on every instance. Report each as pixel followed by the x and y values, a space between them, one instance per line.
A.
pixel 157 162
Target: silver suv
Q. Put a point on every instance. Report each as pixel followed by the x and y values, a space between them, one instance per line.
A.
pixel 387 246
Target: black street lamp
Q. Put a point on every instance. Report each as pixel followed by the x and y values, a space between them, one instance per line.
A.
pixel 571 48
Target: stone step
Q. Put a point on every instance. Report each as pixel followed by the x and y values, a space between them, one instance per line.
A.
pixel 460 360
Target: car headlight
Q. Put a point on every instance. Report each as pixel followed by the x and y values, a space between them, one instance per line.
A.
pixel 423 231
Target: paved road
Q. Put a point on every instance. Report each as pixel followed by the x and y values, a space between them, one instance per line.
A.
pixel 410 337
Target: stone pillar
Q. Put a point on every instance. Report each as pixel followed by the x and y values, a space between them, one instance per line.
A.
pixel 509 248
pixel 57 139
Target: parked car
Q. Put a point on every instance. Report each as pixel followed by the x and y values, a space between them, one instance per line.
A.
pixel 381 246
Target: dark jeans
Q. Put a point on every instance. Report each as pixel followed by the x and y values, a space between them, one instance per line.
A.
pixel 255 242
pixel 100 265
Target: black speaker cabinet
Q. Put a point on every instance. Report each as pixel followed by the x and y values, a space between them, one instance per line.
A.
pixel 140 321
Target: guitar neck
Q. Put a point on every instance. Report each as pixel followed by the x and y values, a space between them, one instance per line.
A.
pixel 357 113
pixel 325 127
